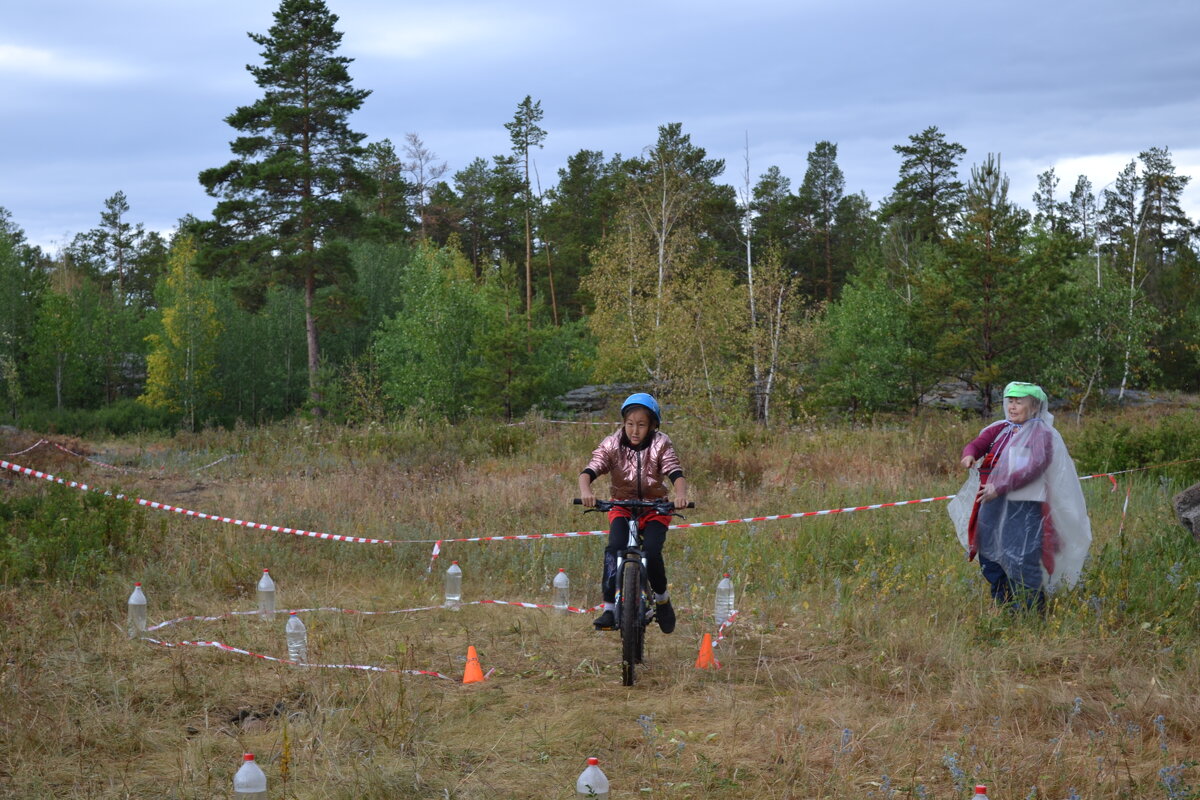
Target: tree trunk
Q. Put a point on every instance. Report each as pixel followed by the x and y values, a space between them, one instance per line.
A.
pixel 314 352
pixel 550 275
pixel 528 270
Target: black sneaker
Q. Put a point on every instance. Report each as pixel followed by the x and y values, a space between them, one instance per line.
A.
pixel 665 614
pixel 606 621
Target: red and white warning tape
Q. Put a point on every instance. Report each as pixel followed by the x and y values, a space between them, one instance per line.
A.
pixel 188 512
pixel 724 627
pixel 437 547
pixel 330 609
pixel 91 460
pixel 33 446
pixel 562 422
pixel 364 667
pixel 437 543
pixel 240 651
pixel 99 463
pixel 218 461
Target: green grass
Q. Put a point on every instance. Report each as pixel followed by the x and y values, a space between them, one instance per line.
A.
pixel 866 662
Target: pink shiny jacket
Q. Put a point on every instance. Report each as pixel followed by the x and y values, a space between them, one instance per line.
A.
pixel 636 473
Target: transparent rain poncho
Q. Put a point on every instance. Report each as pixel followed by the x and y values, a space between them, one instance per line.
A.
pixel 1037 528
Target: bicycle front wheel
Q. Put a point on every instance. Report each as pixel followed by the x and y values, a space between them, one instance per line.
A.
pixel 632 623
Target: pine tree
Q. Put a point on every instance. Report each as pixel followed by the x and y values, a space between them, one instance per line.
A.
pixel 774 209
pixel 579 211
pixel 525 135
pixel 284 206
pixel 928 194
pixel 818 199
pixel 22 286
pixel 385 206
pixel 987 312
pixel 1166 225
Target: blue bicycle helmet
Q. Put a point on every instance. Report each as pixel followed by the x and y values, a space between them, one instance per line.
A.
pixel 647 402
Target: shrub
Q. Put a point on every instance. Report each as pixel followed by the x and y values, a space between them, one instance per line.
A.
pixel 1139 439
pixel 60 533
pixel 121 418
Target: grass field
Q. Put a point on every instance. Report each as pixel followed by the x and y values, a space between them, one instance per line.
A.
pixel 866 660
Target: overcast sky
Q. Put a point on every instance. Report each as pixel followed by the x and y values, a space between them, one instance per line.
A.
pixel 131 95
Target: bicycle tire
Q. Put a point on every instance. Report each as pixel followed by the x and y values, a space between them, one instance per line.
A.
pixel 646 605
pixel 632 624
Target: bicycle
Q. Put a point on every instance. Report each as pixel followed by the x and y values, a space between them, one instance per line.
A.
pixel 635 598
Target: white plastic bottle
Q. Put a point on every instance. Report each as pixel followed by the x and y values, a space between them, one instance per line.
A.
pixel 266 596
pixel 981 792
pixel 592 782
pixel 562 591
pixel 453 586
pixel 724 605
pixel 250 781
pixel 297 638
pixel 136 619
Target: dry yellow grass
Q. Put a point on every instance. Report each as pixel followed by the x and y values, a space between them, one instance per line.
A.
pixel 867 661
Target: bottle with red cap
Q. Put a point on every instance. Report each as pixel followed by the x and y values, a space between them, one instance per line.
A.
pixel 592 782
pixel 266 596
pixel 250 781
pixel 136 620
pixel 981 792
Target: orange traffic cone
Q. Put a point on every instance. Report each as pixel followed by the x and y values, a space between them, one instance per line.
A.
pixel 472 674
pixel 706 659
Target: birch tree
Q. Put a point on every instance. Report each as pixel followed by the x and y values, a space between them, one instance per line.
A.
pixel 183 354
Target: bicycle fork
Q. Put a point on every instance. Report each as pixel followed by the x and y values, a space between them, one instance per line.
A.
pixel 632 558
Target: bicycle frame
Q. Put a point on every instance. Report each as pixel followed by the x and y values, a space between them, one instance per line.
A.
pixel 635 599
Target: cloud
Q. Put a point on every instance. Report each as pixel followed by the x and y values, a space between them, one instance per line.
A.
pixel 445 31
pixel 1102 170
pixel 40 63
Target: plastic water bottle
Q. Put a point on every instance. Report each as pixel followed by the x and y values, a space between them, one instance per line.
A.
pixel 453 586
pixel 297 639
pixel 981 792
pixel 250 780
pixel 266 596
pixel 591 782
pixel 136 619
pixel 724 606
pixel 562 591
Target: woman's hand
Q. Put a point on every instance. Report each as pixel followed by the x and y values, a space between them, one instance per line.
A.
pixel 967 462
pixel 987 492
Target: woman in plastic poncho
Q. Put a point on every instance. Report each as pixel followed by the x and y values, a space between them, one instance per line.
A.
pixel 1022 510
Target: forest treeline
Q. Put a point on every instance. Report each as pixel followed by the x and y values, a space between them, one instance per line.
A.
pixel 359 279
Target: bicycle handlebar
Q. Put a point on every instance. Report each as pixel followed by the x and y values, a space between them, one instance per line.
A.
pixel 661 506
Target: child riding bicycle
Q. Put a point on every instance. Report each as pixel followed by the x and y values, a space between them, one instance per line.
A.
pixel 639 459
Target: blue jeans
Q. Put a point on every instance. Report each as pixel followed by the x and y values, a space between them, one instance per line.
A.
pixel 1010 533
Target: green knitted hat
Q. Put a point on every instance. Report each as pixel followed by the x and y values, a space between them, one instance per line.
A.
pixel 1022 389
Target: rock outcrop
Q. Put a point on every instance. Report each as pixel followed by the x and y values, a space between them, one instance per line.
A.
pixel 593 399
pixel 1187 508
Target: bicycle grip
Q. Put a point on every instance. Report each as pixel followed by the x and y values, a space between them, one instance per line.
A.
pixel 577 501
pixel 691 504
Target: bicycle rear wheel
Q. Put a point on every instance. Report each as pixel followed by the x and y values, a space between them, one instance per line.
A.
pixel 632 624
